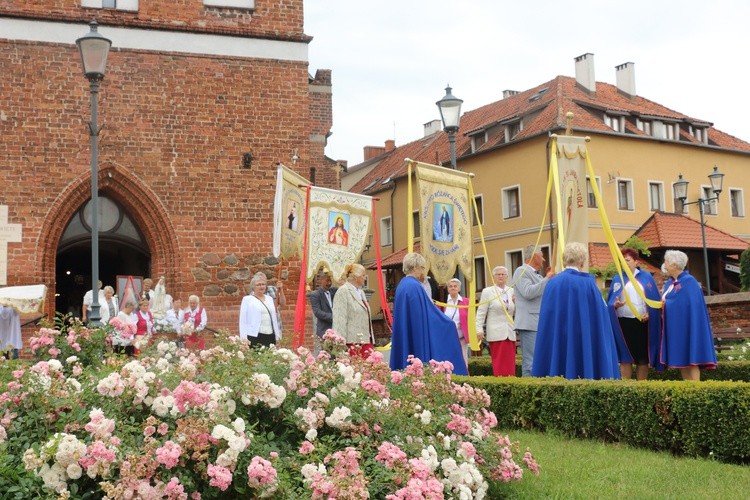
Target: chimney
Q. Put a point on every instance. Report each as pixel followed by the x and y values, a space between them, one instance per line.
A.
pixel 626 78
pixel 585 71
pixel 373 151
pixel 432 127
pixel 390 145
pixel 509 93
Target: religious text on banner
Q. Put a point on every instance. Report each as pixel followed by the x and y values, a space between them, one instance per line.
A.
pixel 572 192
pixel 338 223
pixel 288 213
pixel 445 221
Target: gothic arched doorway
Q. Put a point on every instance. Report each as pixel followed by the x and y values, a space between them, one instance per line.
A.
pixel 122 251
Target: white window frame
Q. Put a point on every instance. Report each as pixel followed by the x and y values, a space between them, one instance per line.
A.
pixel 631 204
pixel 483 268
pixel 386 231
pixel 643 125
pixel 598 180
pixel 129 5
pixel 616 123
pixel 740 204
pixel 475 140
pixel 509 261
pixel 417 225
pixel 662 205
pixel 479 217
pixel 230 4
pixel 710 207
pixel 504 198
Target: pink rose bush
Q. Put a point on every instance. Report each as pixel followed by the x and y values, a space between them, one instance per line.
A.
pixel 231 421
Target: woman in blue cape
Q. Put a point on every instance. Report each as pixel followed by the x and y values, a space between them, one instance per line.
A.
pixel 637 330
pixel 419 327
pixel 686 338
pixel 574 337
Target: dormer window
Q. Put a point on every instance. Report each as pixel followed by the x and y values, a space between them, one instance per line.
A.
pixel 669 131
pixel 477 140
pixel 613 122
pixel 512 129
pixel 643 126
pixel 700 133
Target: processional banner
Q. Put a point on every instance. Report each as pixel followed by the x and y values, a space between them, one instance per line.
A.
pixel 568 167
pixel 289 213
pixel 445 221
pixel 338 224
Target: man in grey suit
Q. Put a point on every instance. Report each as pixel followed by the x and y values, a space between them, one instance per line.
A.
pixel 321 301
pixel 529 286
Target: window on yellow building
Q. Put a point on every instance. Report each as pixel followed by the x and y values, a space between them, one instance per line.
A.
pixel 656 196
pixel 736 202
pixel 590 198
pixel 511 197
pixel 514 259
pixel 386 232
pixel 478 217
pixel 625 194
pixel 709 208
pixel 480 280
pixel 415 221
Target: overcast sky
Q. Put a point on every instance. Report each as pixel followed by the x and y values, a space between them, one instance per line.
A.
pixel 391 60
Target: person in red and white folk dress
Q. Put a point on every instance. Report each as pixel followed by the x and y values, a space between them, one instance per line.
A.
pixel 144 322
pixel 195 319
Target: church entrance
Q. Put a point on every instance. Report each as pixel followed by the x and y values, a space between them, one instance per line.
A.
pixel 122 251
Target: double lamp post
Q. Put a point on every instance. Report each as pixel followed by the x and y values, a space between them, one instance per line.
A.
pixel 680 192
pixel 94 49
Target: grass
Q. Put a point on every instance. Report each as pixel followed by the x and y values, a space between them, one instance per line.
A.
pixel 572 468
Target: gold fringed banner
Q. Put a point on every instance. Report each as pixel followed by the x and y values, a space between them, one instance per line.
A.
pixel 339 223
pixel 288 214
pixel 445 221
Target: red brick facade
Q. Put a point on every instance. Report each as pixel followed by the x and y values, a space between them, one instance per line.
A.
pixel 176 127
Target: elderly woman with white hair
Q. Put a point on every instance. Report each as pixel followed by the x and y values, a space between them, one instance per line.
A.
pixel 686 338
pixel 351 312
pixel 575 338
pixel 196 319
pixel 419 328
pixel 495 323
pixel 456 309
pixel 258 320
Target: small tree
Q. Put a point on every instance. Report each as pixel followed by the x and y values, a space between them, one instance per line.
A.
pixel 638 244
pixel 745 270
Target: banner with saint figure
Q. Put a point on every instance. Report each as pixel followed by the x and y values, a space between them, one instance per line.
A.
pixel 338 225
pixel 445 221
pixel 568 168
pixel 289 213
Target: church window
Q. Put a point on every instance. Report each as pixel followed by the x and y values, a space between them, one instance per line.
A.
pixel 232 4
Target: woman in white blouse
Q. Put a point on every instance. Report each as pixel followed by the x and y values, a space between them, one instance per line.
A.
pixel 258 320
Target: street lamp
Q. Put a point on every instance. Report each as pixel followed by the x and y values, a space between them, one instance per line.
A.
pixel 94 49
pixel 450 114
pixel 680 192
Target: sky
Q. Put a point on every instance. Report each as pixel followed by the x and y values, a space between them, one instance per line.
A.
pixel 391 60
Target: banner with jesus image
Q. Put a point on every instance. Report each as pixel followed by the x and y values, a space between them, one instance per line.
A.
pixel 445 221
pixel 338 225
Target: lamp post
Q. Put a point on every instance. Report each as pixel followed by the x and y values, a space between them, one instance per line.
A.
pixel 680 192
pixel 450 114
pixel 94 49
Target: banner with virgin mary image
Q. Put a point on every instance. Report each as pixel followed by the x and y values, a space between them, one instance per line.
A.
pixel 568 168
pixel 445 221
pixel 338 223
pixel 289 213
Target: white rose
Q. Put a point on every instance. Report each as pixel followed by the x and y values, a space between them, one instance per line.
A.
pixel 74 471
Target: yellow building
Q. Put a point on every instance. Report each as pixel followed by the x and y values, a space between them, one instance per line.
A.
pixel 638 149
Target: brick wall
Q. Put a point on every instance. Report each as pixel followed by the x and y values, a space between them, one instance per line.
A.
pixel 730 309
pixel 175 130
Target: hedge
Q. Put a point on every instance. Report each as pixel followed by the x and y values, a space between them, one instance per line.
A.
pixel 708 419
pixel 726 370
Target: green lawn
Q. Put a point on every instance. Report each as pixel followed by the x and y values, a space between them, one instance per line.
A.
pixel 572 468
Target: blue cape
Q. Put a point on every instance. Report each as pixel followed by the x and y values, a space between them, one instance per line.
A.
pixel 651 291
pixel 421 329
pixel 686 337
pixel 574 337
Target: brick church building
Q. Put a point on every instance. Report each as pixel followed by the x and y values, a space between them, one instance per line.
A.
pixel 200 102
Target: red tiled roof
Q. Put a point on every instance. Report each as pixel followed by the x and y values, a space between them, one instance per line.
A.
pixel 668 230
pixel 394 259
pixel 543 109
